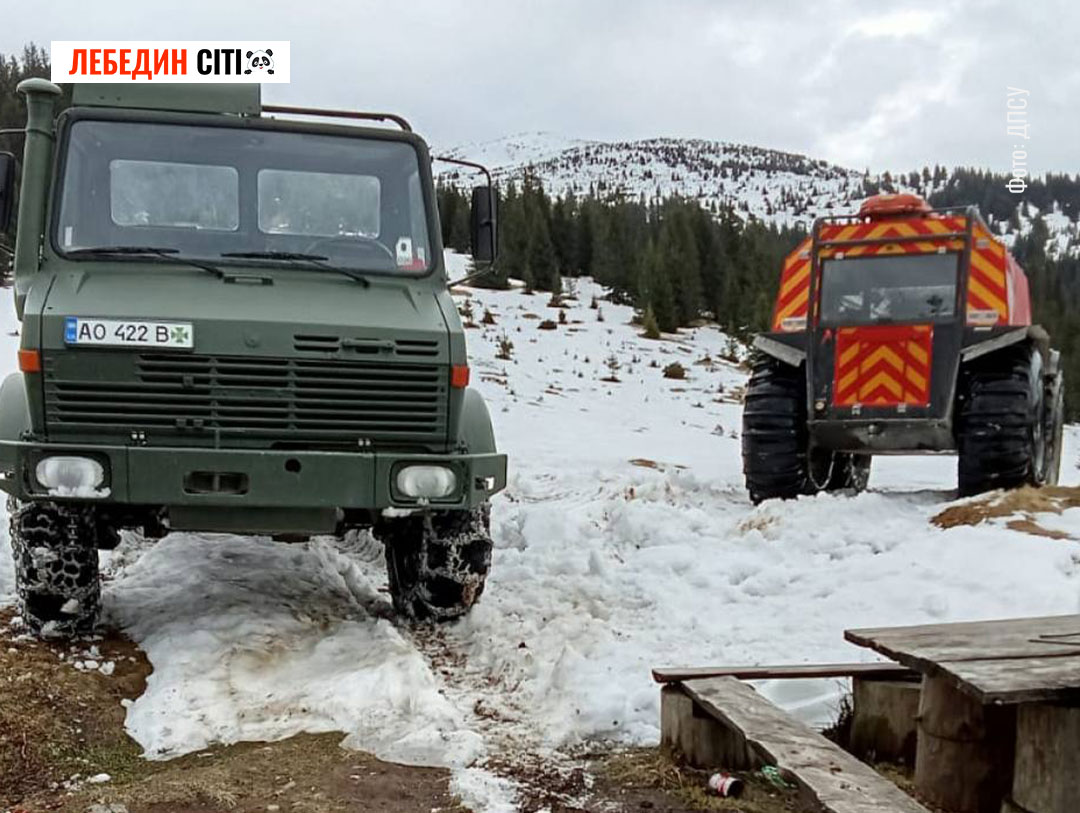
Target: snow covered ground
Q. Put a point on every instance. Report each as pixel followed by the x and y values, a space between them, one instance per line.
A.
pixel 624 541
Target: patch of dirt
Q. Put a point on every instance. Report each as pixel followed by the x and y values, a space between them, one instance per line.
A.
pixel 655 779
pixel 309 773
pixel 1030 526
pixel 57 721
pixel 59 726
pixel 646 463
pixel 1023 504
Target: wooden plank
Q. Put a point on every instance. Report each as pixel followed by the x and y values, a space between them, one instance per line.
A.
pixel 1015 660
pixel 1030 680
pixel 1047 744
pixel 883 726
pixel 825 773
pixel 964 759
pixel 675 674
pixel 920 646
pixel 702 740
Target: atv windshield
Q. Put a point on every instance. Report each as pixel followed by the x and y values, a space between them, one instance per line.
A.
pixel 889 288
pixel 205 191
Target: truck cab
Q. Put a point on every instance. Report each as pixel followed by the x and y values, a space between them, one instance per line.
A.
pixel 236 318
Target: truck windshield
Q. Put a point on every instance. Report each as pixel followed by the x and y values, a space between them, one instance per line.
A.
pixel 889 288
pixel 210 191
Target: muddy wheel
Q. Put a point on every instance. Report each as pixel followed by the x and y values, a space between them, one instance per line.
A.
pixel 56 568
pixel 437 562
pixel 1000 433
pixel 774 436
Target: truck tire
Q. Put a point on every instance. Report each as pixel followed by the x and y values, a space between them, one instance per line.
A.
pixel 999 434
pixel 437 561
pixel 56 568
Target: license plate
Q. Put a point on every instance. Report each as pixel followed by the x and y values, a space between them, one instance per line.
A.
pixel 124 333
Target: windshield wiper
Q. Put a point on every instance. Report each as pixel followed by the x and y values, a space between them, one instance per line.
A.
pixel 164 252
pixel 317 260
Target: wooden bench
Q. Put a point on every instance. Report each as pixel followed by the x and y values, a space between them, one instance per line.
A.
pixel 722 722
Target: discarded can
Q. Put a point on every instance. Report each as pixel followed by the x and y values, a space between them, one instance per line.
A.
pixel 724 784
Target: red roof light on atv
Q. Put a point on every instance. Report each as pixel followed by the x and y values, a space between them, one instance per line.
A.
pixel 881 206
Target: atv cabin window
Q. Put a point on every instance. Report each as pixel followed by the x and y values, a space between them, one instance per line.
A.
pixel 891 288
pixel 209 191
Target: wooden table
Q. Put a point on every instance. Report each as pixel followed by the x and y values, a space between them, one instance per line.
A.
pixel 999 717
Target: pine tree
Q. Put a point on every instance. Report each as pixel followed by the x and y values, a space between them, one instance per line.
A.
pixel 649 324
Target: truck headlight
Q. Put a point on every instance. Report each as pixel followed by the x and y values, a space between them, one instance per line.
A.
pixel 426 482
pixel 71 476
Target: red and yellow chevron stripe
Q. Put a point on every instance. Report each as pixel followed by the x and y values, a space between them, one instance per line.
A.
pixel 931 227
pixel 987 291
pixel 794 298
pixel 990 283
pixel 883 365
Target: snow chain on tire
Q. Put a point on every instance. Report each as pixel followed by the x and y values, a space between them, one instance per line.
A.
pixel 437 561
pixel 56 568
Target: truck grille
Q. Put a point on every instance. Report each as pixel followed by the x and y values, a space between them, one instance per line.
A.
pixel 280 400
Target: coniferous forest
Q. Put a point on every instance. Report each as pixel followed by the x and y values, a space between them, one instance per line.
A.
pixel 678 261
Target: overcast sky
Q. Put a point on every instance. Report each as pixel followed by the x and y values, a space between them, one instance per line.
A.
pixel 893 85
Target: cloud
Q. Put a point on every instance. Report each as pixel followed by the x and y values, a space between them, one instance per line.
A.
pixel 900 23
pixel 922 83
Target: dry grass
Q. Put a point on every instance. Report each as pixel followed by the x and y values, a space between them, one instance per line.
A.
pixel 1022 504
pixel 658 769
pixel 56 721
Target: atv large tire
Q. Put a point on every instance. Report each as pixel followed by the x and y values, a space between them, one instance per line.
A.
pixel 56 568
pixel 774 436
pixel 1000 433
pixel 437 561
pixel 777 459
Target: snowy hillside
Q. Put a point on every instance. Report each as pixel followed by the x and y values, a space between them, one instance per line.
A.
pixel 774 186
pixel 771 185
pixel 624 540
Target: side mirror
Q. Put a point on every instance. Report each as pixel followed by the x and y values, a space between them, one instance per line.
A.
pixel 483 225
pixel 7 190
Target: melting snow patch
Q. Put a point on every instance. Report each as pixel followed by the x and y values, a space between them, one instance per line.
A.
pixel 258 640
pixel 483 792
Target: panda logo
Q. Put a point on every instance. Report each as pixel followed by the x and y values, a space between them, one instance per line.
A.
pixel 260 61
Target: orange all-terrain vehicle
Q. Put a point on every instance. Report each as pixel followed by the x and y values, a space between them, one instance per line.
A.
pixel 901 330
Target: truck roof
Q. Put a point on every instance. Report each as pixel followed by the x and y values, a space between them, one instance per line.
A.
pixel 237 99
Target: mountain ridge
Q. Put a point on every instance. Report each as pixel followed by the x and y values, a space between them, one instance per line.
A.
pixel 775 186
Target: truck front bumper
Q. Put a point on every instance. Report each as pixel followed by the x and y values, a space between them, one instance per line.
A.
pixel 249 478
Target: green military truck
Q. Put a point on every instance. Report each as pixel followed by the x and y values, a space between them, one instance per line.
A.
pixel 236 318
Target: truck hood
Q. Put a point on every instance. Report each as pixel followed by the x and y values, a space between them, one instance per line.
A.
pixel 301 313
